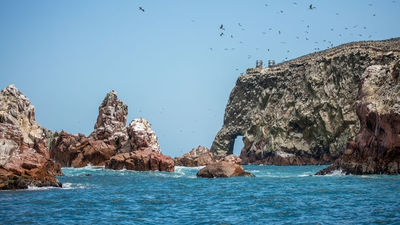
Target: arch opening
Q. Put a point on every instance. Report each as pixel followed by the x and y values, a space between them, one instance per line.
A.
pixel 237 145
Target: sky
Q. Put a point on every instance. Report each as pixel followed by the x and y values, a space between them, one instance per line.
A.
pixel 169 64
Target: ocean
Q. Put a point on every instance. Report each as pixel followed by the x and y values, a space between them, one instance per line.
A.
pixel 277 195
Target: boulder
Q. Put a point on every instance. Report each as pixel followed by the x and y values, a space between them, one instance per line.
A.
pixel 228 166
pixel 376 148
pixel 223 169
pixel 199 156
pixel 24 155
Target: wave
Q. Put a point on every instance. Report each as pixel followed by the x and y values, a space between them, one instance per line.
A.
pixel 65 186
pixel 336 173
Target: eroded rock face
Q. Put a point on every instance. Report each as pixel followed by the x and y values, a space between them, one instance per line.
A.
pixel 80 151
pixel 24 156
pixel 111 121
pixel 142 159
pixel 376 149
pixel 140 135
pixel 199 156
pixel 302 111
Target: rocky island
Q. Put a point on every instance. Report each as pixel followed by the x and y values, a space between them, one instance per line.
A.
pixel 302 111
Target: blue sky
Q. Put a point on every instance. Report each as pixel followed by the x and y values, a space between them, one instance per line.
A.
pixel 169 64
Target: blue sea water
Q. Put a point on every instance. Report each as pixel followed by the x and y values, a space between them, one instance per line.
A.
pixel 277 195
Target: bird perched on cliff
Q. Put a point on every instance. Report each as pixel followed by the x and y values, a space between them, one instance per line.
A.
pixel 141 9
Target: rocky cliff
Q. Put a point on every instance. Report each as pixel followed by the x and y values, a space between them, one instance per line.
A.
pixel 301 111
pixel 24 155
pixel 376 148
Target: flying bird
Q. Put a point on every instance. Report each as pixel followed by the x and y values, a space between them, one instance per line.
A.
pixel 141 9
pixel 221 34
pixel 311 7
pixel 221 27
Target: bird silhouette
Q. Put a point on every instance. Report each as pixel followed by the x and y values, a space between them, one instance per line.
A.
pixel 221 27
pixel 221 34
pixel 141 9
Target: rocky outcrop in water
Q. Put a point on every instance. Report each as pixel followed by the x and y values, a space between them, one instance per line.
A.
pixel 376 148
pixel 302 111
pixel 79 151
pixel 24 156
pixel 199 156
pixel 141 160
pixel 141 151
pixel 109 134
pixel 112 144
pixel 228 166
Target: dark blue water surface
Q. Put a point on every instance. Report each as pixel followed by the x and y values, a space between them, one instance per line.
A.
pixel 277 195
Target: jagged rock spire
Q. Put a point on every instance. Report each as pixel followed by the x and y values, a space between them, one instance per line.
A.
pixel 111 121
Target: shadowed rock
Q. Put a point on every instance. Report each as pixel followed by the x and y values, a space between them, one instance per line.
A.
pixel 302 111
pixel 376 149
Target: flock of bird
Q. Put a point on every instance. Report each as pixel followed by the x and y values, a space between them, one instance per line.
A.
pixel 326 43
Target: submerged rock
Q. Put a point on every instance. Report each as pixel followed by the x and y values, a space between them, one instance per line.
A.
pixel 228 166
pixel 376 149
pixel 199 156
pixel 24 156
pixel 302 111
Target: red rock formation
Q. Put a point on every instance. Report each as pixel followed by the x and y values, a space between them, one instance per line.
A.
pixel 79 151
pixel 109 134
pixel 141 151
pixel 141 160
pixel 199 156
pixel 376 149
pixel 111 138
pixel 24 156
